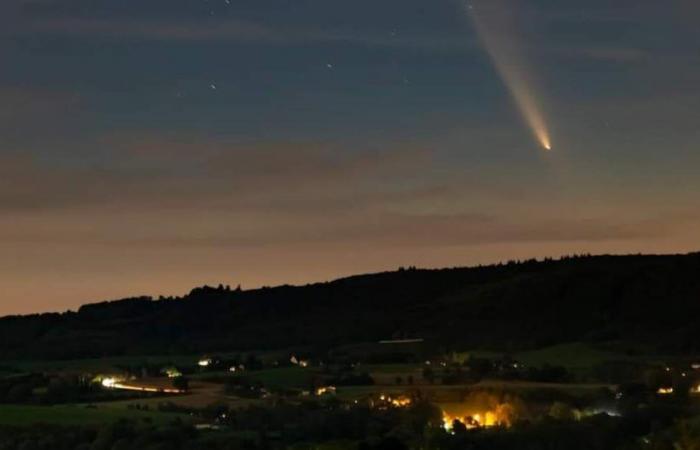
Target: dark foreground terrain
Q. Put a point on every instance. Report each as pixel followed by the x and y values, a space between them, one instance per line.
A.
pixel 579 353
pixel 647 302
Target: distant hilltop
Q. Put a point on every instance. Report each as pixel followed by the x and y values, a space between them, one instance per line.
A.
pixel 645 302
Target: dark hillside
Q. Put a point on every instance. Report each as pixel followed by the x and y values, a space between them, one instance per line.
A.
pixel 650 300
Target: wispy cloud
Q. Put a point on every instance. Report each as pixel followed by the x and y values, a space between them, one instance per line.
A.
pixel 383 230
pixel 159 30
pixel 617 54
pixel 155 190
pixel 244 31
pixel 20 103
pixel 148 173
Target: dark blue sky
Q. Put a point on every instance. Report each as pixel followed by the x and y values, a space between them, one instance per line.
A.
pixel 150 145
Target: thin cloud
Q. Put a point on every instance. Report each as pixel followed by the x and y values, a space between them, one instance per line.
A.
pixel 31 102
pixel 231 30
pixel 617 54
pixel 164 173
pixel 385 230
pixel 149 29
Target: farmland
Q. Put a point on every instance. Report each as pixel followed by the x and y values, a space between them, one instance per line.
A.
pixel 77 415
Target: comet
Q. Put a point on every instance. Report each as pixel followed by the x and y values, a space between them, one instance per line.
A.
pixel 492 23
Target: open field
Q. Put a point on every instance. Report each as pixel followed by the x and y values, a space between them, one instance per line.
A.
pixel 390 369
pixel 293 377
pixel 101 365
pixel 574 357
pixel 19 415
pixel 112 363
pixel 284 377
pixel 194 401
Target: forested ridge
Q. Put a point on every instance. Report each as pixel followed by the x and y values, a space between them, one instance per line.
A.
pixel 651 301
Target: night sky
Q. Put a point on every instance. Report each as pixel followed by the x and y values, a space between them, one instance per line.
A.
pixel 148 146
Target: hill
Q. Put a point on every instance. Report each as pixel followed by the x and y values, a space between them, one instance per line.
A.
pixel 648 301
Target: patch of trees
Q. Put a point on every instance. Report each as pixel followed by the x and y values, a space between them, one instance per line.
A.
pixel 351 379
pixel 40 389
pixel 318 423
pixel 343 375
pixel 474 370
pixel 122 435
pixel 43 389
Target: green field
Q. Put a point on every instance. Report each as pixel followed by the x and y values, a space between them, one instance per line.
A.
pixel 574 357
pixel 284 377
pixel 390 369
pixel 19 415
pixel 293 377
pixel 101 364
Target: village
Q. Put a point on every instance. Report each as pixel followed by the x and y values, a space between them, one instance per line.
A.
pixel 469 390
